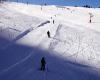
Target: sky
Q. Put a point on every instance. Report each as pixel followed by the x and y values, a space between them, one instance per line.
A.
pixel 93 3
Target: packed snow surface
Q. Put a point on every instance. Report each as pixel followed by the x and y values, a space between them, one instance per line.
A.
pixel 72 52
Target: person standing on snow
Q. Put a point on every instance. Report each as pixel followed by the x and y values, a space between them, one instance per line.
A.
pixel 48 33
pixel 53 21
pixel 91 15
pixel 43 63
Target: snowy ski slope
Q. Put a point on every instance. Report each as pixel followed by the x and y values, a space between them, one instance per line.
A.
pixel 72 52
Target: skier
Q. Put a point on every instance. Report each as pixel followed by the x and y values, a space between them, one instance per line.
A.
pixel 48 33
pixel 51 17
pixel 91 15
pixel 53 21
pixel 41 7
pixel 90 20
pixel 27 2
pixel 43 63
pixel 45 4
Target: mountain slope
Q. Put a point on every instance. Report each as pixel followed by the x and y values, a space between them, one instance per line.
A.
pixel 71 53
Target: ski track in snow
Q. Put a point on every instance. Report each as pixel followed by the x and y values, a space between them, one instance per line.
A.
pixel 17 63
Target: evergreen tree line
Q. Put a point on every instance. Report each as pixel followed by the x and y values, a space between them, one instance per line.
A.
pixel 88 6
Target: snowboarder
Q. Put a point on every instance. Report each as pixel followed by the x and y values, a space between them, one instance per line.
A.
pixel 43 63
pixel 48 33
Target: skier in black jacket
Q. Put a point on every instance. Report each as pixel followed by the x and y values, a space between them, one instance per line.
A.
pixel 48 33
pixel 43 63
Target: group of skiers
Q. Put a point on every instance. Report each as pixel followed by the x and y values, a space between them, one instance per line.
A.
pixel 43 62
pixel 48 32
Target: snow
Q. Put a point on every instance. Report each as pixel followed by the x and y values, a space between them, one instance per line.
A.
pixel 71 53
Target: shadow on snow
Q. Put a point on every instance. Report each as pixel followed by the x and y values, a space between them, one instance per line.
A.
pixel 20 62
